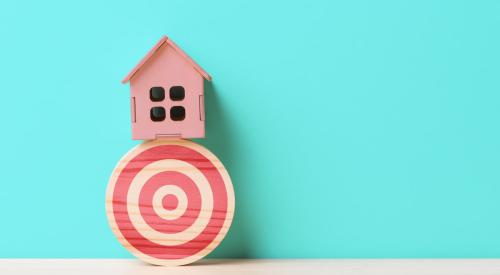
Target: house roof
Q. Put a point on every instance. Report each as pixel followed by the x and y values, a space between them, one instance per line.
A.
pixel 151 52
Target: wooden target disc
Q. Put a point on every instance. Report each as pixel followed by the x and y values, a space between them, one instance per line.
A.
pixel 170 201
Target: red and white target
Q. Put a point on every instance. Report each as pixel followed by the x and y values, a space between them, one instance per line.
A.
pixel 170 202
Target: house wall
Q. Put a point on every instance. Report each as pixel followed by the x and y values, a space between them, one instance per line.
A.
pixel 166 69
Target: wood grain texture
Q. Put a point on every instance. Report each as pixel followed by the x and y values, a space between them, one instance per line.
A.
pixel 170 201
pixel 251 267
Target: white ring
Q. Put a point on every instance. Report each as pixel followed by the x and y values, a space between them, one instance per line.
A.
pixel 153 235
pixel 180 208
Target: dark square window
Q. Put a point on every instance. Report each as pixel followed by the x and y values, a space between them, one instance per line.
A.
pixel 177 93
pixel 157 114
pixel 157 94
pixel 177 113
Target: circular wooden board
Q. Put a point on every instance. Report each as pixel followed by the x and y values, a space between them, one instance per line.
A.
pixel 170 201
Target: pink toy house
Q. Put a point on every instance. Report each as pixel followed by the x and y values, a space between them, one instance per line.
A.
pixel 166 94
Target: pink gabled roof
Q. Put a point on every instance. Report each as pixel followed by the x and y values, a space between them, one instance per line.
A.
pixel 151 52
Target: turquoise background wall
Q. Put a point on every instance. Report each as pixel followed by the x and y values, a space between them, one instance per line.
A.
pixel 350 128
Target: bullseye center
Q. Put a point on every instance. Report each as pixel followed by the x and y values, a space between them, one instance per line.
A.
pixel 170 202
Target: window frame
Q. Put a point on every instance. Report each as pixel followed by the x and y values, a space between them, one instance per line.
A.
pixel 151 113
pixel 151 94
pixel 172 90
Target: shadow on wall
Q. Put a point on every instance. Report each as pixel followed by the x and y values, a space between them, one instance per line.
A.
pixel 220 140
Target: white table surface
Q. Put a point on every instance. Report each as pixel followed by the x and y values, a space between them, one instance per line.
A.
pixel 244 267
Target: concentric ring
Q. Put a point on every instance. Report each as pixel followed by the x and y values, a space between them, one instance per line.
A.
pixel 185 171
pixel 155 191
